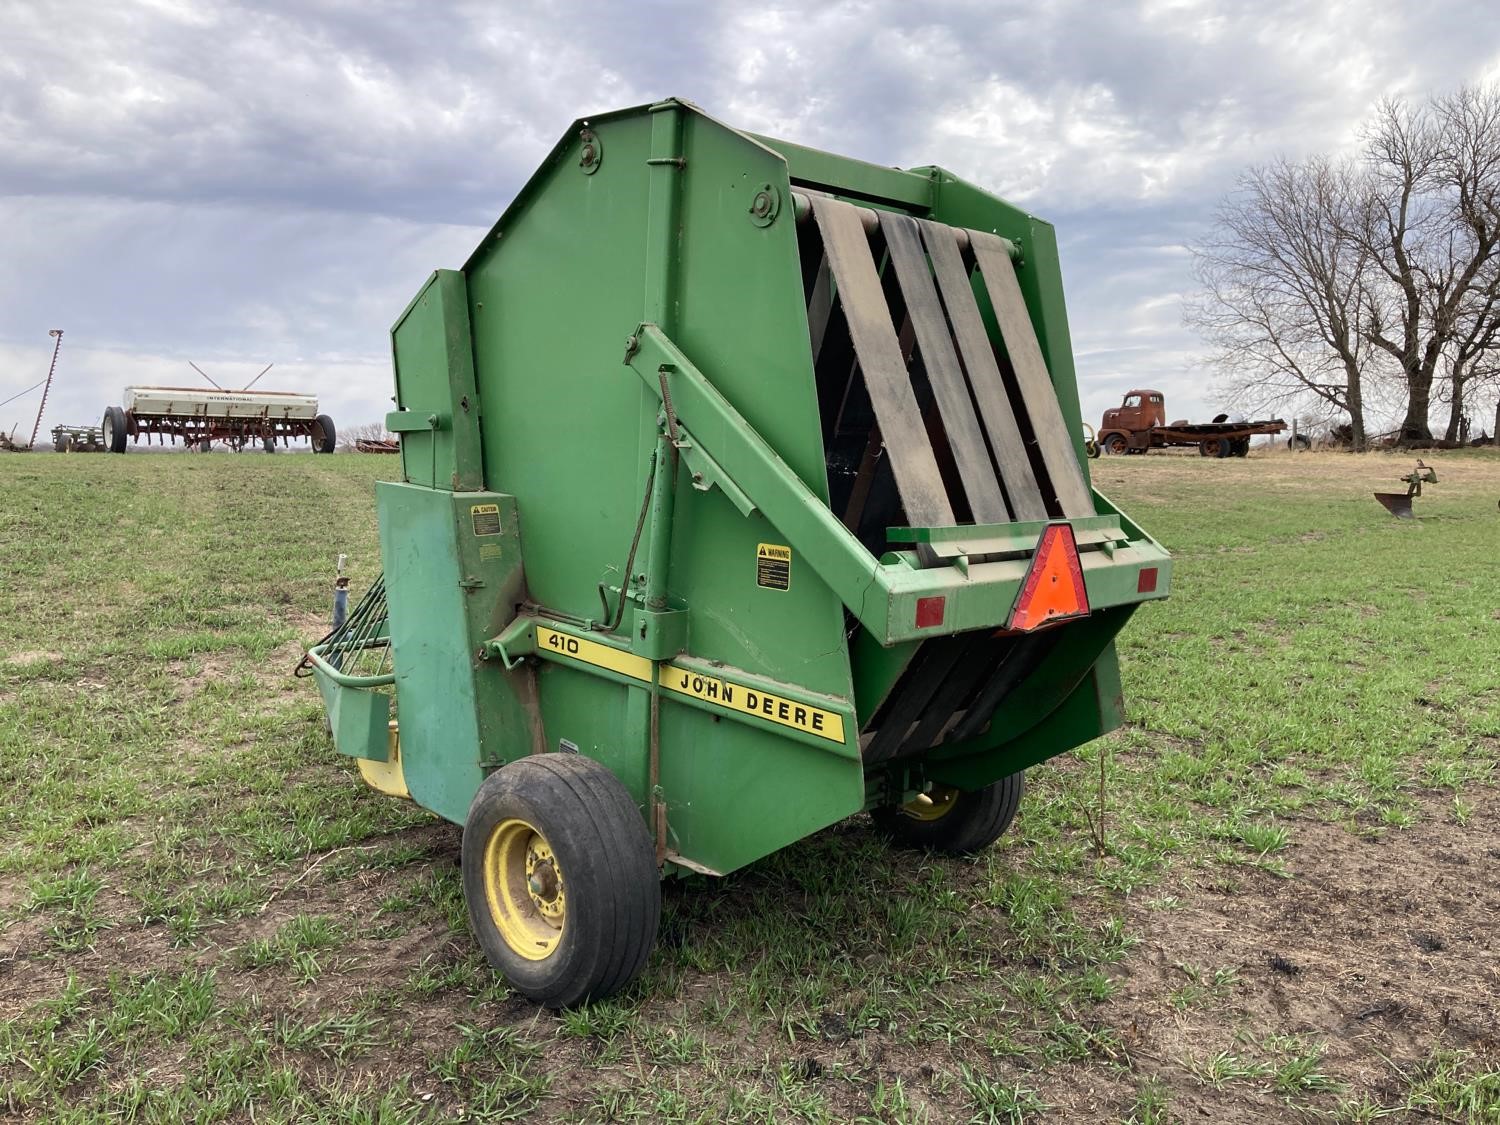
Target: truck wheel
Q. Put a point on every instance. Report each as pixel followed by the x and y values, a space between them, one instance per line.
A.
pixel 1240 447
pixel 1213 447
pixel 954 822
pixel 1116 445
pixel 324 436
pixel 560 878
pixel 113 429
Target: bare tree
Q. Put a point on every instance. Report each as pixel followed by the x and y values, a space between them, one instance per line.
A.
pixel 1428 221
pixel 1282 288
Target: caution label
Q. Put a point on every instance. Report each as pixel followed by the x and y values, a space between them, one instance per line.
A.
pixel 486 519
pixel 752 701
pixel 592 652
pixel 773 567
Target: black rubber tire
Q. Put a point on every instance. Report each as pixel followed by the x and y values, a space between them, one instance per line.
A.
pixel 113 429
pixel 608 861
pixel 268 444
pixel 1302 441
pixel 975 822
pixel 324 436
pixel 1115 445
pixel 1240 447
pixel 1213 447
pixel 1092 449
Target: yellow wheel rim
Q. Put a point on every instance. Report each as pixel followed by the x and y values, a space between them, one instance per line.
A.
pixel 523 884
pixel 932 805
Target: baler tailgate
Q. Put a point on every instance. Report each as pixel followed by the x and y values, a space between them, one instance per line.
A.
pixel 970 433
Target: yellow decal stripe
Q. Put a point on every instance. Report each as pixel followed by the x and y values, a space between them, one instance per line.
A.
pixel 592 652
pixel 752 701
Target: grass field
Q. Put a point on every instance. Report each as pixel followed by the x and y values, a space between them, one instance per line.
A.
pixel 205 916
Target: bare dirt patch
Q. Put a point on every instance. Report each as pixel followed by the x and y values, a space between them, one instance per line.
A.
pixel 1382 948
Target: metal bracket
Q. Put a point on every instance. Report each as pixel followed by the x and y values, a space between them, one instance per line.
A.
pixel 708 474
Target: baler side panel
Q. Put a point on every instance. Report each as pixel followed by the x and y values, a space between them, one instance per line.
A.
pixel 453 578
pixel 552 295
pixel 432 353
pixel 735 792
pixel 746 329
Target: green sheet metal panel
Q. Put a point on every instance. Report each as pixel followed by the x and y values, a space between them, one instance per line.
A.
pixel 742 318
pixel 735 793
pixel 553 292
pixel 437 404
pixel 453 578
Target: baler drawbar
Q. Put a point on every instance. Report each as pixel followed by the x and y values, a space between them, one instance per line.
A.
pixel 742 491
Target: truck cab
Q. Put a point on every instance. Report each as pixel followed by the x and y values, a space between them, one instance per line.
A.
pixel 1140 410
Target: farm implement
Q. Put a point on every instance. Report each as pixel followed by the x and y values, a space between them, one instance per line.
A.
pixel 741 493
pixel 200 418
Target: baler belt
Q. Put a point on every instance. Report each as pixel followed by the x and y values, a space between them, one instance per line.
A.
pixel 981 660
pixel 1035 385
pixel 946 377
pixel 938 659
pixel 1021 487
pixel 915 467
pixel 1019 663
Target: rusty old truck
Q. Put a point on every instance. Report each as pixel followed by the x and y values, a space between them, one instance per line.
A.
pixel 1140 423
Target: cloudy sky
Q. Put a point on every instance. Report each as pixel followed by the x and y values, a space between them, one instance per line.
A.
pixel 241 184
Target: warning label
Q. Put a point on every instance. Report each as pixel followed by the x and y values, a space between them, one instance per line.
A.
pixel 773 566
pixel 486 519
pixel 749 701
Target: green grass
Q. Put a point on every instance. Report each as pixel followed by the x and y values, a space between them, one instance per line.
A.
pixel 204 915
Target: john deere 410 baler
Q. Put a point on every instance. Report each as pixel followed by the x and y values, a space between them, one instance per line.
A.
pixel 743 491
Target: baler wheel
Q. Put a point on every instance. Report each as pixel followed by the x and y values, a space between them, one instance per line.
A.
pixel 952 821
pixel 560 877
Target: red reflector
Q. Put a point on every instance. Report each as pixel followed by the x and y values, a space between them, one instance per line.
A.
pixel 1146 583
pixel 929 612
pixel 1054 589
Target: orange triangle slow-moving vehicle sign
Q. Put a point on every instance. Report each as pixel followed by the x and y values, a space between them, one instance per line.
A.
pixel 1053 590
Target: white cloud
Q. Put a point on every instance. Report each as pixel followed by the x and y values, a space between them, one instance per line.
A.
pixel 239 183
